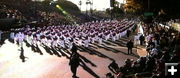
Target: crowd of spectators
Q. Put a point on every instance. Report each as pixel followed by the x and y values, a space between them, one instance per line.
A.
pixel 25 14
pixel 162 46
pixel 29 11
pixel 10 13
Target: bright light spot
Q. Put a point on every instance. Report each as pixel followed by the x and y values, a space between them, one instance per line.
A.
pixel 64 12
pixel 57 6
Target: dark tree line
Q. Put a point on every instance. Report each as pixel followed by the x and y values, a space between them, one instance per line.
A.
pixel 170 7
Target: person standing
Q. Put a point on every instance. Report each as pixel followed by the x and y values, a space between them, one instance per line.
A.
pixel 128 33
pixel 141 38
pixel 129 46
pixel 74 61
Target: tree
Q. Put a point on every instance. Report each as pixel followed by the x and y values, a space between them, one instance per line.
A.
pixel 108 11
pixel 133 6
pixel 47 2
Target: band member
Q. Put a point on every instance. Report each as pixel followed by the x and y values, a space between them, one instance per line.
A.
pixel 93 38
pixel 49 41
pixel 114 36
pixel 80 40
pixel 62 42
pixel 54 43
pixel 43 40
pixel 20 38
pixel 100 39
pixel 70 44
pixel 86 41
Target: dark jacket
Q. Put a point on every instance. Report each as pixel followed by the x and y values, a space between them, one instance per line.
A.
pixel 129 44
pixel 74 60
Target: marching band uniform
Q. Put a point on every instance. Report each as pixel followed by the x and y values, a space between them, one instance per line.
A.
pixel 54 43
pixel 49 41
pixel 100 39
pixel 93 38
pixel 114 36
pixel 70 44
pixel 34 42
pixel 80 40
pixel 91 31
pixel 62 43
pixel 20 38
pixel 43 40
pixel 86 42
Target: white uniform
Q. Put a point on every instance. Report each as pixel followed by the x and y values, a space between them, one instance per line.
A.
pixel 120 34
pixel 54 43
pixel 86 43
pixel 100 39
pixel 15 37
pixel 49 41
pixel 96 37
pixel 117 36
pixel 38 36
pixel 20 38
pixel 80 42
pixel 70 45
pixel 30 39
pixel 34 42
pixel 44 41
pixel 113 37
pixel 62 43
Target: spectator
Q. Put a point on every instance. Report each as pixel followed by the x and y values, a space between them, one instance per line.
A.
pixel 176 57
pixel 136 67
pixel 150 64
pixel 127 66
pixel 141 38
pixel 166 56
pixel 114 67
pixel 109 75
pixel 154 51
